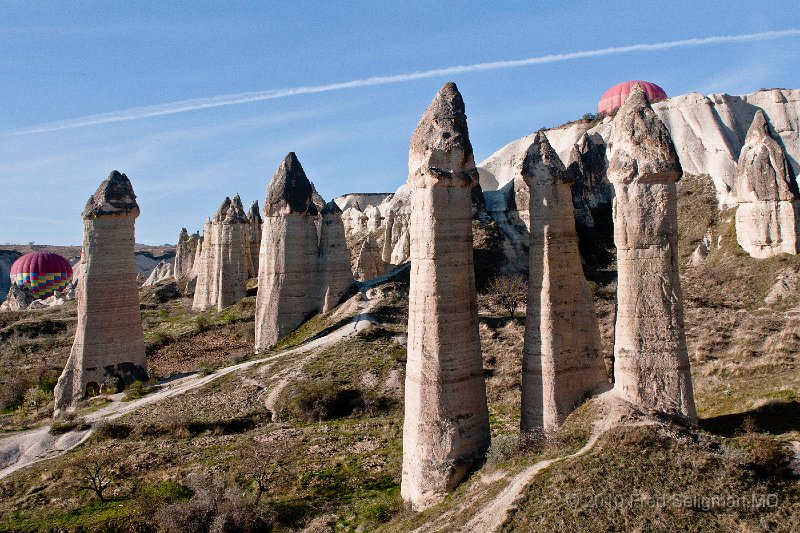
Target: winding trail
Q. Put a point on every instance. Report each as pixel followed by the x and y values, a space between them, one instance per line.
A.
pixel 492 515
pixel 25 448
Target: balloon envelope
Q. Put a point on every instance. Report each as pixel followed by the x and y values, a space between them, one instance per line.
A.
pixel 45 272
pixel 615 96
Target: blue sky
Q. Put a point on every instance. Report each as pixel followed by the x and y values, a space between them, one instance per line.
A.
pixel 62 61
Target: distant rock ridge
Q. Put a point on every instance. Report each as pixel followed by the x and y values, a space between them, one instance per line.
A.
pixel 708 132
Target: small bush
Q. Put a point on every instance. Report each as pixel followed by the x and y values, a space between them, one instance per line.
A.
pixel 111 430
pixel 12 394
pixel 36 398
pixel 136 390
pixel 316 401
pixel 69 423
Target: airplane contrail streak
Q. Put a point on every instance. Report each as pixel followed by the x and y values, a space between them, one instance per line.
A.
pixel 182 106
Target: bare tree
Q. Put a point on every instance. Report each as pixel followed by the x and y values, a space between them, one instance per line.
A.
pixel 509 292
pixel 97 475
pixel 261 466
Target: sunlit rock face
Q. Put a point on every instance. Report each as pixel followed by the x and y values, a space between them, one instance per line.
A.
pixel 446 426
pixel 765 189
pixel 651 365
pixel 225 261
pixel 334 258
pixel 109 340
pixel 288 262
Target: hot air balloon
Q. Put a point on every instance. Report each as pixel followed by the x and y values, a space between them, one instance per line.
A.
pixel 615 96
pixel 45 272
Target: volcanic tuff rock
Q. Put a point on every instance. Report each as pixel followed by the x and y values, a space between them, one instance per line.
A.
pixel 765 187
pixel 287 285
pixel 651 366
pixel 185 255
pixel 368 264
pixel 19 298
pixel 708 132
pixel 225 259
pixel 162 273
pixel 109 341
pixel 7 258
pixel 446 426
pixel 334 258
pixel 562 360
pixel 254 221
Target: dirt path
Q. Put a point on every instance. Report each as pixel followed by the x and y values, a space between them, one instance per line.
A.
pixel 28 447
pixel 491 516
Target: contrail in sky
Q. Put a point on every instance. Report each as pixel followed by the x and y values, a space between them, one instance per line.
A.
pixel 137 113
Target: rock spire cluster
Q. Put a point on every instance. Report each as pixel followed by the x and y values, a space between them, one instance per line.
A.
pixel 651 365
pixel 225 258
pixel 109 340
pixel 446 426
pixel 185 255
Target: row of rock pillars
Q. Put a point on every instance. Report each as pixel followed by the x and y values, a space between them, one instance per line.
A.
pixel 446 427
pixel 303 267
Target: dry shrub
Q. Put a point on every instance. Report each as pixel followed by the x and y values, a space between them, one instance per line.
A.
pixel 215 507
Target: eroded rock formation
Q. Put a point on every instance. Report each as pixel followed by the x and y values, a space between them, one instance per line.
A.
pixel 162 273
pixel 109 341
pixel 185 254
pixel 287 278
pixel 225 258
pixel 651 365
pixel 368 261
pixel 562 361
pixel 446 426
pixel 254 236
pixel 334 258
pixel 765 187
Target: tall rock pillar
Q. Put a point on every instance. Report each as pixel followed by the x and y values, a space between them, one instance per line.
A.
pixel 446 426
pixel 651 362
pixel 287 277
pixel 562 361
pixel 765 188
pixel 233 262
pixel 334 258
pixel 109 342
pixel 254 236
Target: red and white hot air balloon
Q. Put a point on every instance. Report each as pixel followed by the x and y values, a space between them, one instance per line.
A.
pixel 615 96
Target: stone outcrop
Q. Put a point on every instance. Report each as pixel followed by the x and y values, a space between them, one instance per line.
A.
pixel 334 258
pixel 19 298
pixel 109 341
pixel 225 259
pixel 562 359
pixel 254 222
pixel 7 258
pixel 162 273
pixel 651 365
pixel 765 188
pixel 288 262
pixel 446 426
pixel 368 263
pixel 185 255
pixel 397 240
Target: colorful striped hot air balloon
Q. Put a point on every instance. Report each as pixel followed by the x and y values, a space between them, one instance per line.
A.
pixel 45 272
pixel 615 96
